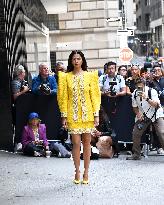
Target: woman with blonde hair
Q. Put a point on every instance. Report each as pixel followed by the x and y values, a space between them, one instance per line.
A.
pixel 79 102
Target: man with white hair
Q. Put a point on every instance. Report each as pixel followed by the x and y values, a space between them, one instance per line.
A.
pixel 19 85
pixel 44 84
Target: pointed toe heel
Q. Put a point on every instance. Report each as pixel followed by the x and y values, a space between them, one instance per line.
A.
pixel 75 181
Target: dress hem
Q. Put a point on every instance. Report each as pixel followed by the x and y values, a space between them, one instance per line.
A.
pixel 81 130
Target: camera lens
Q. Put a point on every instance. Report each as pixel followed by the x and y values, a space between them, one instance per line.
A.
pixel 140 126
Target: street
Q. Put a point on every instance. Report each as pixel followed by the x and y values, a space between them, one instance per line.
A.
pixel 31 181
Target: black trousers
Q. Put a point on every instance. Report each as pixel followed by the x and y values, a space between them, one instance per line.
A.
pixel 30 148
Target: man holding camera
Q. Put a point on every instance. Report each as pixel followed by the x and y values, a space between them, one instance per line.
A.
pixel 146 106
pixel 44 84
pixel 112 86
pixel 158 82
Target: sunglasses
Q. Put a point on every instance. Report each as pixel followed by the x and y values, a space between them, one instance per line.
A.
pixel 123 70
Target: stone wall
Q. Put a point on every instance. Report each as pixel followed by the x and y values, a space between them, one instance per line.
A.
pixel 85 27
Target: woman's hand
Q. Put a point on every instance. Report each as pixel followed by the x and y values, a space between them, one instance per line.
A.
pixel 96 121
pixel 96 133
pixel 140 116
pixel 64 122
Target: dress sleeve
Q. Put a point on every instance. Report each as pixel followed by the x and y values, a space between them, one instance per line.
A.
pixel 95 93
pixel 62 95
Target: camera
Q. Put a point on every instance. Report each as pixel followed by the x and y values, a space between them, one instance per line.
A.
pixel 128 82
pixel 112 89
pixel 141 124
pixel 23 84
pixel 45 89
pixel 140 91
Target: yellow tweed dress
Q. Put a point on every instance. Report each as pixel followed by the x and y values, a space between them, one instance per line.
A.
pixel 79 100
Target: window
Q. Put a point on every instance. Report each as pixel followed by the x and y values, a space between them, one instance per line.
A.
pixel 53 22
pixel 53 59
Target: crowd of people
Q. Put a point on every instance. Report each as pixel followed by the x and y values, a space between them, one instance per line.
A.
pixel 87 103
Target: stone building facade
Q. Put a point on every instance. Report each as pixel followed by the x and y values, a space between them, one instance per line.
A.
pixel 157 24
pixel 85 27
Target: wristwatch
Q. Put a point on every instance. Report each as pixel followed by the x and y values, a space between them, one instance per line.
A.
pixel 147 99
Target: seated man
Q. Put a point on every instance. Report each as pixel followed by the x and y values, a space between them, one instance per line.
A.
pixel 44 84
pixel 148 110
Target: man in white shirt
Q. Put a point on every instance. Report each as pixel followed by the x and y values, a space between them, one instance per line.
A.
pixel 112 81
pixel 112 86
pixel 148 110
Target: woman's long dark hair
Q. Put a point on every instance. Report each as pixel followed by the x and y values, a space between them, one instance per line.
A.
pixel 70 67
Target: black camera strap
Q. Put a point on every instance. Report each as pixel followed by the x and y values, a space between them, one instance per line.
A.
pixel 154 114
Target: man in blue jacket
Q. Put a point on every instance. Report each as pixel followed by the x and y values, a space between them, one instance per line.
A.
pixel 44 84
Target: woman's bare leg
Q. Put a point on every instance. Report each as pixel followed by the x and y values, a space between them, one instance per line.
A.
pixel 86 140
pixel 76 141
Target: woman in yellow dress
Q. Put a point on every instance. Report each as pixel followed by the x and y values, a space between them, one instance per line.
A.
pixel 79 102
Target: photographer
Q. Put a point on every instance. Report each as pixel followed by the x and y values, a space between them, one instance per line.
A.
pixel 112 87
pixel 44 84
pixel 18 84
pixel 157 82
pixel 148 110
pixel 19 87
pixel 130 81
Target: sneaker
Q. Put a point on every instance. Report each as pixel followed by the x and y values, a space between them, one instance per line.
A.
pixel 36 154
pixel 160 151
pixel 134 157
pixel 18 147
pixel 129 152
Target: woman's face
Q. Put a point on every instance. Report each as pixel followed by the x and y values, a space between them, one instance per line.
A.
pixel 34 122
pixel 77 61
pixel 123 71
pixel 135 71
pixel 157 72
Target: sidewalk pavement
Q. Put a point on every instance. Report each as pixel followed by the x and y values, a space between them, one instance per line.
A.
pixel 40 181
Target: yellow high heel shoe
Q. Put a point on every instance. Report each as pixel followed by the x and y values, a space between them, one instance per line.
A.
pixel 85 181
pixel 76 180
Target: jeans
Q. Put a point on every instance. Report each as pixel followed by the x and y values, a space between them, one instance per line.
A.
pixel 30 148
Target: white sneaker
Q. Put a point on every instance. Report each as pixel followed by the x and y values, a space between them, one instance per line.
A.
pixel 95 150
pixel 18 147
pixel 36 154
pixel 160 151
